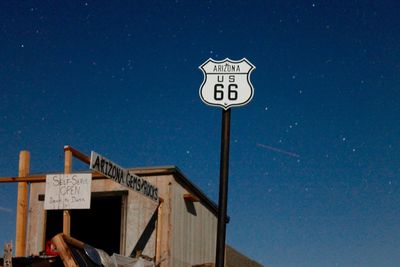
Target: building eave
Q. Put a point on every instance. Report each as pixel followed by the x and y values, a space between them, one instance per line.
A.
pixel 182 179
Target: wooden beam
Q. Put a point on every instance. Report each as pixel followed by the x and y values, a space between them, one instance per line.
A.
pixel 75 242
pixel 22 205
pixel 64 251
pixel 77 154
pixel 190 197
pixel 67 170
pixel 158 231
pixel 40 178
pixel 27 179
pixel 67 161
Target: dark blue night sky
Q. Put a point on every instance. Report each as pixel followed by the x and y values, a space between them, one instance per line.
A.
pixel 315 156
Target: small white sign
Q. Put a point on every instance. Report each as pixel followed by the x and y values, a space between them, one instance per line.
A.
pixel 68 191
pixel 226 83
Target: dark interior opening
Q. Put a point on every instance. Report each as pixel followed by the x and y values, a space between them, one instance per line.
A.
pixel 99 226
pixel 54 223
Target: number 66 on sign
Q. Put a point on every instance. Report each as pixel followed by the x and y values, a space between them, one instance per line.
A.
pixel 226 83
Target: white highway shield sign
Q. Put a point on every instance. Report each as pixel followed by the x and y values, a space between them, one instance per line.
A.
pixel 226 83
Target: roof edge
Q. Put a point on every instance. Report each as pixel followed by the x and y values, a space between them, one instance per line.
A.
pixel 181 178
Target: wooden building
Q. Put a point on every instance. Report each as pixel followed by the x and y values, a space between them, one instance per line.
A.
pixel 179 230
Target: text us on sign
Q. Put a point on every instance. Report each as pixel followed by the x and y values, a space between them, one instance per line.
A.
pixel 226 83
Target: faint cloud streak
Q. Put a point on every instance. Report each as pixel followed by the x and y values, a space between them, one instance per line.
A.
pixel 278 150
pixel 2 209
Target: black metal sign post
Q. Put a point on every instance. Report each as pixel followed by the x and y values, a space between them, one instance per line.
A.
pixel 226 84
pixel 223 189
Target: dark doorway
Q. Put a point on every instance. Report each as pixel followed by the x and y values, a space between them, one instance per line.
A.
pixel 99 226
pixel 54 223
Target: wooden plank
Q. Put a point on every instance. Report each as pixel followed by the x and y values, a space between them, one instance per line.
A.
pixel 73 241
pixel 190 197
pixel 66 213
pixel 44 225
pixel 67 162
pixel 22 205
pixel 64 251
pixel 77 154
pixel 158 231
pixel 169 222
pixel 40 178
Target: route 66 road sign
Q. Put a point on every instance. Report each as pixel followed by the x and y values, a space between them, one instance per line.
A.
pixel 226 83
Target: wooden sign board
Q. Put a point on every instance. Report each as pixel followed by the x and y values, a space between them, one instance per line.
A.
pixel 68 191
pixel 122 176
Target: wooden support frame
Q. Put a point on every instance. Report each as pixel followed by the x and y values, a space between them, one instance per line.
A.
pixel 41 178
pixel 66 213
pixel 77 154
pixel 22 205
pixel 190 197
pixel 63 250
pixel 158 232
pixel 24 179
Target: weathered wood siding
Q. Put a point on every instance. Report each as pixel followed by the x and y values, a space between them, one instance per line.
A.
pixel 36 220
pixel 194 231
pixel 163 231
pixel 135 216
pixel 185 234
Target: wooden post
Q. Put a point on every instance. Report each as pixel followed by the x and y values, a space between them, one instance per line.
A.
pixel 22 205
pixel 7 261
pixel 67 170
pixel 158 232
pixel 64 251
